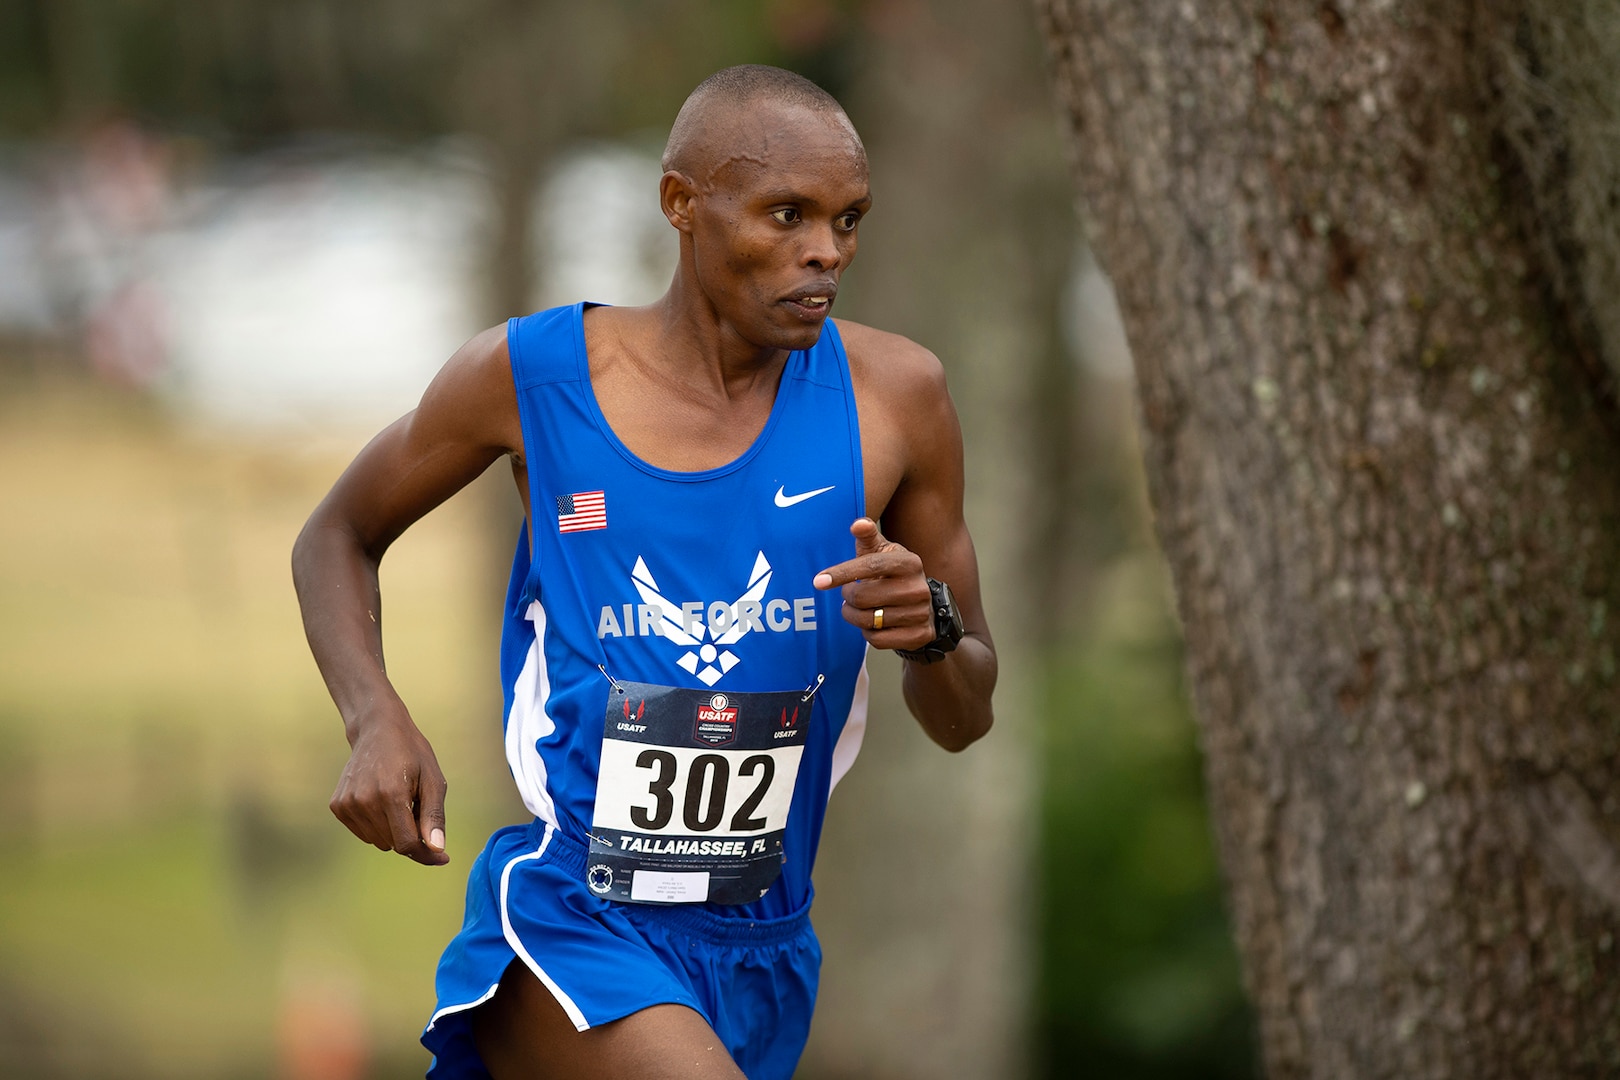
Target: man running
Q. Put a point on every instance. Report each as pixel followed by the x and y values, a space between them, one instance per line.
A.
pixel 729 499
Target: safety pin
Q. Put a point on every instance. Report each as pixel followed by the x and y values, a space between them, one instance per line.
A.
pixel 616 687
pixel 809 691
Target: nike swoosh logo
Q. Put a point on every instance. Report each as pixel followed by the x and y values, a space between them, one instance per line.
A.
pixel 784 499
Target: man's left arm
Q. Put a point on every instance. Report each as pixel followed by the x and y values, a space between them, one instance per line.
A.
pixel 923 535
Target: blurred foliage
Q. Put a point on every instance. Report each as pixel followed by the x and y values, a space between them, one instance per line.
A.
pixel 248 70
pixel 1139 978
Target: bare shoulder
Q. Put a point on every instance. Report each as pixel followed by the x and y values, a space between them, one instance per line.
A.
pixel 481 366
pixel 909 429
pixel 472 398
pixel 892 370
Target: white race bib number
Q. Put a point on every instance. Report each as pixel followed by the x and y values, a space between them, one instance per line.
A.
pixel 693 792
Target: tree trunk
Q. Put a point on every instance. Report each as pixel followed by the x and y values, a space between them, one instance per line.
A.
pixel 1364 255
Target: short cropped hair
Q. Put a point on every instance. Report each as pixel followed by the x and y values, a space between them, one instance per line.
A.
pixel 736 86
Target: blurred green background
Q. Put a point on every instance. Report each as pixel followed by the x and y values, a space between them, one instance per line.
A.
pixel 235 238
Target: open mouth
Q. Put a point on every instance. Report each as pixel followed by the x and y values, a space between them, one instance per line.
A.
pixel 813 302
pixel 812 305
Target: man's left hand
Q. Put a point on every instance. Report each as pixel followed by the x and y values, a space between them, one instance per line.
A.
pixel 885 578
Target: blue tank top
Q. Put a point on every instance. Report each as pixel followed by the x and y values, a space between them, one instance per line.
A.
pixel 694 580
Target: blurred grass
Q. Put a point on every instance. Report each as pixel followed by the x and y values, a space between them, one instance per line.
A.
pixel 173 883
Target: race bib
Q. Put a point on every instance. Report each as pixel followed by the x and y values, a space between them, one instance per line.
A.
pixel 693 793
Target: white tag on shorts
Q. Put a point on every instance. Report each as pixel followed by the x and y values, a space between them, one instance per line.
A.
pixel 660 887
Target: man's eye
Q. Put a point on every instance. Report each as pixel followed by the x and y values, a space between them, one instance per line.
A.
pixel 787 215
pixel 847 222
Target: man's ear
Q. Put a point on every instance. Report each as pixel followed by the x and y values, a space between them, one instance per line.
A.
pixel 676 193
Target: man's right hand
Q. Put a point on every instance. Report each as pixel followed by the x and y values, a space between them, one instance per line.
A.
pixel 391 793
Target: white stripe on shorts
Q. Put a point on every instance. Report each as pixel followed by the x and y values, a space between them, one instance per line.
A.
pixel 473 1004
pixel 580 1023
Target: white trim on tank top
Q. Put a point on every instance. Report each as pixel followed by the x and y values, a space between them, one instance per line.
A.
pixel 529 722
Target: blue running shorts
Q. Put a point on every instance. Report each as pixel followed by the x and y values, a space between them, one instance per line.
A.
pixel 753 981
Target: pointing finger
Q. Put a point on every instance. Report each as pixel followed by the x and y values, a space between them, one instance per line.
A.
pixel 868 538
pixel 868 541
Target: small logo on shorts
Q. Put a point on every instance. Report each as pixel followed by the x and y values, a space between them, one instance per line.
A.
pixel 599 878
pixel 716 721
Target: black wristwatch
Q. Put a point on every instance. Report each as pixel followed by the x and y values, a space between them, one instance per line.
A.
pixel 947 626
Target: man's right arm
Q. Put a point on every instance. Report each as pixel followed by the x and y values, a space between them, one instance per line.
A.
pixel 391 793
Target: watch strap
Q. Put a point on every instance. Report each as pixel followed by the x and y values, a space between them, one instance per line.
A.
pixel 948 627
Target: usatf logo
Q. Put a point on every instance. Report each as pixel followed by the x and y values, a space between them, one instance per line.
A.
pixel 599 878
pixel 716 721
pixel 706 631
pixel 632 720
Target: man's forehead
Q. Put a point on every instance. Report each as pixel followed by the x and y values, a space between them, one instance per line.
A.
pixel 767 138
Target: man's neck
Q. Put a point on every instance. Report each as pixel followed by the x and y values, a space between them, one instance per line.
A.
pixel 685 338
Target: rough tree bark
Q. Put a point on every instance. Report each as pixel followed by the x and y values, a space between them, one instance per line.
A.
pixel 1365 256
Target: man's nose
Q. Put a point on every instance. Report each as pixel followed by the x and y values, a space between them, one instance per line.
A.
pixel 820 250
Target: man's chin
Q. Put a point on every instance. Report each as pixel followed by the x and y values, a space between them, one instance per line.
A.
pixel 781 329
pixel 806 337
pixel 800 333
pixel 793 340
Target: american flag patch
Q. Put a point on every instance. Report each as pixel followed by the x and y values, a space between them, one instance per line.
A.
pixel 581 512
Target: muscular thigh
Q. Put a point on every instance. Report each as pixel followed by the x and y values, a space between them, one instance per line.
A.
pixel 522 1033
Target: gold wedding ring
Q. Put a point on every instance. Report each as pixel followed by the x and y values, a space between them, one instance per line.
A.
pixel 877 619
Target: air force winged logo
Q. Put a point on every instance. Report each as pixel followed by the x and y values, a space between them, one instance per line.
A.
pixel 680 627
pixel 706 631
